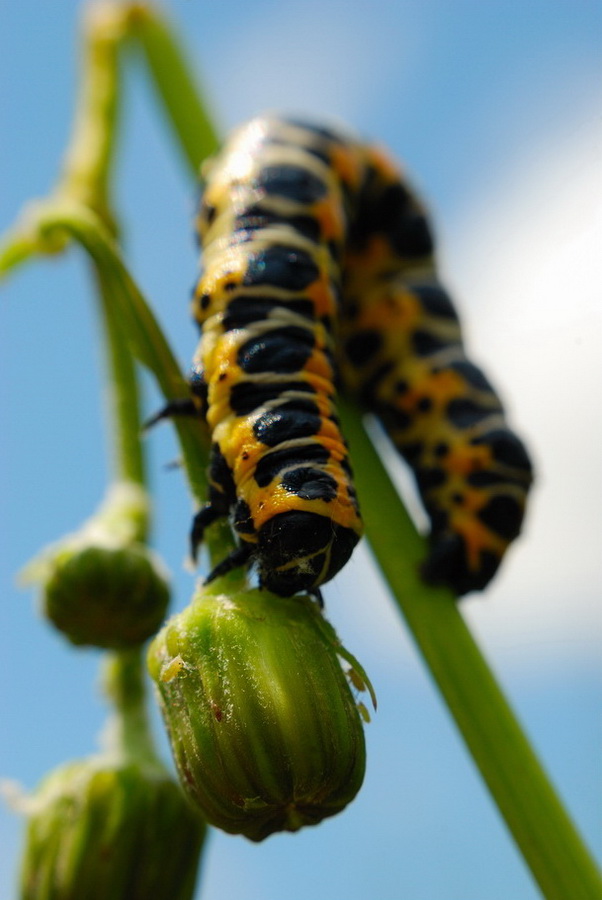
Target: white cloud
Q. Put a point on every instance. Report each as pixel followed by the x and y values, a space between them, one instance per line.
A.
pixel 528 266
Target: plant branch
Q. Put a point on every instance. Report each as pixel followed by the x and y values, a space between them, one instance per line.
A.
pixel 559 861
pixel 48 223
pixel 177 88
pixel 87 162
pixel 124 393
pixel 129 733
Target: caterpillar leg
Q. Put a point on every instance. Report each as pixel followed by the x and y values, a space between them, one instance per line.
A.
pixel 205 517
pixel 181 407
pixel 193 406
pixel 238 557
pixel 317 595
pixel 221 498
pixel 475 515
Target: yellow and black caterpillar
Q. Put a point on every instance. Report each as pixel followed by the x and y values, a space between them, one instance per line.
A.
pixel 317 266
pixel 401 353
pixel 272 225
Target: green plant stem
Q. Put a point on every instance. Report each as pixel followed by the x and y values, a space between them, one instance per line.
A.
pixel 124 396
pixel 547 838
pixel 149 345
pixel 130 734
pixel 177 88
pixel 47 224
pixel 87 162
pixel 85 180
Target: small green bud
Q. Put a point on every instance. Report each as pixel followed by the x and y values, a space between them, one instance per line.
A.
pixel 264 728
pixel 103 830
pixel 107 597
pixel 102 586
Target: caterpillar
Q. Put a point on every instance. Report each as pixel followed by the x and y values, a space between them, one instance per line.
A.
pixel 318 265
pixel 403 356
pixel 272 224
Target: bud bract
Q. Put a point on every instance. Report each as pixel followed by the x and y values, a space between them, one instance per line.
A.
pixel 264 727
pixel 102 830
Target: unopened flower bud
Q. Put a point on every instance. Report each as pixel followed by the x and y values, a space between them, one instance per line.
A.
pixel 107 597
pixel 101 586
pixel 102 830
pixel 264 727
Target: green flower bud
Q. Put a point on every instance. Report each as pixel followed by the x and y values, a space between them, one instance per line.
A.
pixel 102 830
pixel 106 597
pixel 102 586
pixel 264 727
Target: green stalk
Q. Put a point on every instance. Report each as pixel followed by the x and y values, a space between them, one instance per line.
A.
pixel 176 86
pixel 559 861
pixel 130 734
pixel 50 222
pixel 150 346
pixel 85 180
pixel 87 162
pixel 124 396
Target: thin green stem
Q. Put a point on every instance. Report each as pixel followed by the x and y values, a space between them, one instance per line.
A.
pixel 559 861
pixel 85 180
pixel 124 394
pixel 87 162
pixel 150 346
pixel 177 88
pixel 83 190
pixel 130 734
pixel 55 218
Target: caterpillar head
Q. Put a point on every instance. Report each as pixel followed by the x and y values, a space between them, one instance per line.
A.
pixel 299 551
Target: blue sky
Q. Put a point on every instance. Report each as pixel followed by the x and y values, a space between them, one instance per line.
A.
pixel 495 108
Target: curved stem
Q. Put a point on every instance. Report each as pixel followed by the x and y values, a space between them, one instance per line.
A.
pixel 85 180
pixel 47 222
pixel 87 161
pixel 177 89
pixel 547 838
